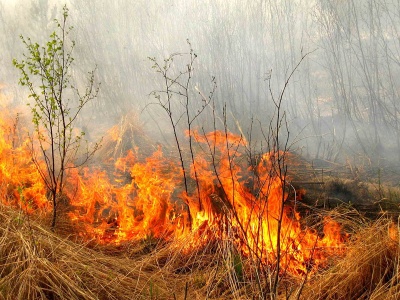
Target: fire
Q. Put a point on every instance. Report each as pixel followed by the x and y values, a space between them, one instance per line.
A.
pixel 230 199
pixel 20 182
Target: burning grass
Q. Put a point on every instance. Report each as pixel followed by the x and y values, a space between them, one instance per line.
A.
pixel 36 263
pixel 139 197
pixel 368 270
pixel 138 234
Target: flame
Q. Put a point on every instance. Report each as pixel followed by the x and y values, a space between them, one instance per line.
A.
pixel 20 182
pixel 227 199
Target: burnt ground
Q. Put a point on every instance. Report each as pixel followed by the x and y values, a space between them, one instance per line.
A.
pixel 372 191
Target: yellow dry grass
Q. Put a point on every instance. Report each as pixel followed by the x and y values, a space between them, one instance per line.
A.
pixel 369 269
pixel 36 263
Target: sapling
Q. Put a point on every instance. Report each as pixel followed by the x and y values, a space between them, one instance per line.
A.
pixel 46 71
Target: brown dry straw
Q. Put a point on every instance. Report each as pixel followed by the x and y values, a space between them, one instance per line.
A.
pixel 369 270
pixel 37 264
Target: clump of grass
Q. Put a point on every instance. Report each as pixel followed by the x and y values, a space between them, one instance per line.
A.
pixel 128 134
pixel 369 269
pixel 37 264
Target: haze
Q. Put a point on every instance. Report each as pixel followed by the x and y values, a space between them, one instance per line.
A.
pixel 342 102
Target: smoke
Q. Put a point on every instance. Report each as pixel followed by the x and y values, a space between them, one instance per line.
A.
pixel 341 103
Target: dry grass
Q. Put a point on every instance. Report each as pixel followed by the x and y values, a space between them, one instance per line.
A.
pixel 128 134
pixel 37 264
pixel 369 270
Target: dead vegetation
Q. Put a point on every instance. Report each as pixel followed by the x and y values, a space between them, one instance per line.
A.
pixel 369 269
pixel 38 264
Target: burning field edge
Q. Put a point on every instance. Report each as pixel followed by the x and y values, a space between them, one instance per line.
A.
pixel 39 264
pixel 128 230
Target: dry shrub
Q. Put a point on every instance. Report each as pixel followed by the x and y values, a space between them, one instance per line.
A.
pixel 369 269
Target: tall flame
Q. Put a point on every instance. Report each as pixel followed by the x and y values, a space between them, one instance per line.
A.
pixel 20 181
pixel 227 198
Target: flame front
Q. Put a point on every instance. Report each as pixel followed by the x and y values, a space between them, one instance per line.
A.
pixel 227 198
pixel 20 182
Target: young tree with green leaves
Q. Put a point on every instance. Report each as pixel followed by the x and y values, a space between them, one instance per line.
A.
pixel 46 71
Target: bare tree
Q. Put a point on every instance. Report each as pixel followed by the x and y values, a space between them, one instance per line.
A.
pixel 176 100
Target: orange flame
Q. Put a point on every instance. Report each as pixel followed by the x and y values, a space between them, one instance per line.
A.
pixel 20 181
pixel 247 205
